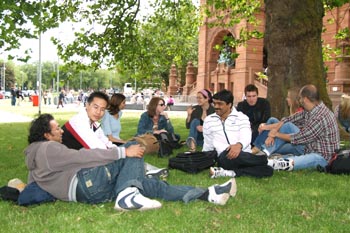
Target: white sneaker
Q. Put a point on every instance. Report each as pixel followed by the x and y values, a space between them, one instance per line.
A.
pixel 131 199
pixel 216 172
pixel 283 164
pixel 219 194
pixel 161 173
pixel 17 184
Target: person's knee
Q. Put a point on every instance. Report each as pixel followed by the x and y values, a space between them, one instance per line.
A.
pixel 272 120
pixel 289 127
pixel 195 122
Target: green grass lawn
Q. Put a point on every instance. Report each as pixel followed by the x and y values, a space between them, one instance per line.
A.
pixel 301 201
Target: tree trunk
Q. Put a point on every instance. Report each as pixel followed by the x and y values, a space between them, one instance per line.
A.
pixel 294 49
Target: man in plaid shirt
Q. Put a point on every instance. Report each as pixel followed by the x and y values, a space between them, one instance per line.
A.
pixel 318 133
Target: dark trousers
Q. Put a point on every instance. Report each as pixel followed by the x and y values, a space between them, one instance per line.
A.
pixel 246 164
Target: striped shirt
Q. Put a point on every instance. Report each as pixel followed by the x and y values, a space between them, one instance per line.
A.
pixel 219 134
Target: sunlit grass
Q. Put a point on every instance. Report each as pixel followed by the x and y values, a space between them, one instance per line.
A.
pixel 301 201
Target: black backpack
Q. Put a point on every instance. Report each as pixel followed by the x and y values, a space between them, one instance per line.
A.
pixel 193 162
pixel 339 163
pixel 167 142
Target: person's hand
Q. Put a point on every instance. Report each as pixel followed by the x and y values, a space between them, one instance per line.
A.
pixel 200 128
pixel 205 108
pixel 273 133
pixel 159 131
pixel 164 114
pixel 233 151
pixel 261 128
pixel 269 141
pixel 190 110
pixel 135 151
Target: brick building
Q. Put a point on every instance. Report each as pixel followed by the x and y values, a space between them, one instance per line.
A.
pixel 217 76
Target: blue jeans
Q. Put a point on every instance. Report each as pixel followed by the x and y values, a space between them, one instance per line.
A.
pixel 310 160
pixel 344 123
pixel 280 146
pixel 13 100
pixel 103 183
pixel 194 133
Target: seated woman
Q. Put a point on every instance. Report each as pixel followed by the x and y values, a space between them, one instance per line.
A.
pixel 111 127
pixel 111 120
pixel 155 120
pixel 342 112
pixel 195 117
pixel 279 146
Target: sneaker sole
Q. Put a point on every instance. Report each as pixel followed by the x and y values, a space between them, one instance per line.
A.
pixel 141 209
pixel 223 198
pixel 233 189
pixel 162 174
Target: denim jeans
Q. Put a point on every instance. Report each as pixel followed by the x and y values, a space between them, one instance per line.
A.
pixel 310 160
pixel 194 133
pixel 103 183
pixel 344 123
pixel 13 100
pixel 280 146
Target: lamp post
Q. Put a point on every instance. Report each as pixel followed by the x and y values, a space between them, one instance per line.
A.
pixel 58 68
pixel 4 79
pixel 22 74
pixel 39 74
pixel 111 85
pixel 81 77
pixel 58 75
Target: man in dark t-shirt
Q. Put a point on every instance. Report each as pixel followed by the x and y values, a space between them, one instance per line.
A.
pixel 256 108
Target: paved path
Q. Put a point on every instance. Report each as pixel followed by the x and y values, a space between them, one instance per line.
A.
pixel 6 117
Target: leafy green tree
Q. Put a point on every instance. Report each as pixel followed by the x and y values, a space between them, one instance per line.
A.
pixel 169 36
pixel 26 19
pixel 10 79
pixel 112 34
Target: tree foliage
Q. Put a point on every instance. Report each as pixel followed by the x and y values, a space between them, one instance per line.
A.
pixel 109 33
pixel 27 19
pixel 169 36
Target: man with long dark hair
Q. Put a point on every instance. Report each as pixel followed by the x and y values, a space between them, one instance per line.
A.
pixel 103 175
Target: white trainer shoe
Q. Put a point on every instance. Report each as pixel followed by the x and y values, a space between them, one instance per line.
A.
pixel 283 164
pixel 219 194
pixel 131 199
pixel 216 172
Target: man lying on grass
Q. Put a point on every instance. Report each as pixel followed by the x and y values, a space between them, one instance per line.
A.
pixel 100 175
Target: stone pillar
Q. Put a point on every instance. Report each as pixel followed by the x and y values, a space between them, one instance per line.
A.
pixel 172 80
pixel 341 82
pixel 190 78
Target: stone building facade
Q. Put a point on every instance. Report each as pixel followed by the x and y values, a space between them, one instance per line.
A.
pixel 215 77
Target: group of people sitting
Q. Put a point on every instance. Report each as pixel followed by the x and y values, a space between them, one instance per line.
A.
pixel 88 162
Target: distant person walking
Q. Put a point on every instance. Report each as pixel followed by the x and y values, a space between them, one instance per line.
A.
pixel 60 99
pixel 13 96
pixel 170 102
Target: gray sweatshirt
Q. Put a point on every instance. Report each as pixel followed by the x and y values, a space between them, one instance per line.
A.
pixel 53 165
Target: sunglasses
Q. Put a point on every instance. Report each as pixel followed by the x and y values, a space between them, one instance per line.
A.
pixel 162 105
